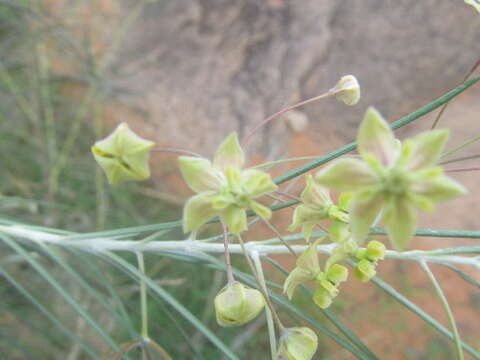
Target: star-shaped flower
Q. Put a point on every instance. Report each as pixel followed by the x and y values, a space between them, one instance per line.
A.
pixel 392 178
pixel 123 155
pixel 223 188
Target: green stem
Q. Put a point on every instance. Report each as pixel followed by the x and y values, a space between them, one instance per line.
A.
pixel 268 312
pixel 464 158
pixel 397 124
pixel 446 306
pixel 143 297
pixel 283 161
pixel 261 288
pixel 460 147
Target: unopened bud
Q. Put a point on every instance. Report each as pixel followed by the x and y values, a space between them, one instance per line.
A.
pixel 123 155
pixel 298 343
pixel 375 250
pixel 347 90
pixel 365 270
pixel 237 304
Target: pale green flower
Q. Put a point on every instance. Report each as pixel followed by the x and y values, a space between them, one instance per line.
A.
pixel 473 3
pixel 297 343
pixel 223 188
pixel 393 177
pixel 317 206
pixel 308 269
pixel 237 304
pixel 368 259
pixel 123 155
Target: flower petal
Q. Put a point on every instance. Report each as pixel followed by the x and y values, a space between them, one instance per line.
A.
pixel 257 182
pixel 235 218
pixel 364 209
pixel 400 220
pixel 308 218
pixel 297 277
pixel 439 189
pixel 197 211
pixel 261 210
pixel 199 174
pixel 426 149
pixel 375 137
pixel 315 194
pixel 229 154
pixel 346 175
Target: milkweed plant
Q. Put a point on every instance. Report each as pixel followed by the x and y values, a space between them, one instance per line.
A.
pixel 388 183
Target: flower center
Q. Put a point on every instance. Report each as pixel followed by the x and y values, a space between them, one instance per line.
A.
pixel 395 182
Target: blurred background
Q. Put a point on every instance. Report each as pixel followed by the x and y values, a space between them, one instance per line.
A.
pixel 185 73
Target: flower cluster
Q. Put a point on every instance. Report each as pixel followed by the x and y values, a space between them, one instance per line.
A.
pixel 390 180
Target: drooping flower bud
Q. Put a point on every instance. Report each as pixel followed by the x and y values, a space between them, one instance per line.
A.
pixel 347 90
pixel 298 343
pixel 237 304
pixel 328 285
pixel 123 155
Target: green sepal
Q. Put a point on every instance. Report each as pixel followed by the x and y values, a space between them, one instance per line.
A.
pixel 200 175
pixel 197 211
pixel 235 218
pixel 229 154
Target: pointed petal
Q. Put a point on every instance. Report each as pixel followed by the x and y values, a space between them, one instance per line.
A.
pixel 197 211
pixel 229 154
pixel 308 218
pixel 400 220
pixel 199 174
pixel 308 261
pixel 295 278
pixel 315 194
pixel 426 148
pixel 235 218
pixel 364 209
pixel 261 210
pixel 375 137
pixel 439 189
pixel 346 175
pixel 257 182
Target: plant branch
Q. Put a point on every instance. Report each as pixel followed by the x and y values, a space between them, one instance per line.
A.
pixel 446 306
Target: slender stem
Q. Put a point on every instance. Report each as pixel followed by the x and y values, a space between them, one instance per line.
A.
pixel 471 157
pixel 283 161
pixel 248 138
pixel 444 107
pixel 270 324
pixel 176 151
pixel 446 306
pixel 288 195
pixel 228 264
pixel 261 288
pixel 463 169
pixel 280 237
pixel 143 296
pixel 460 147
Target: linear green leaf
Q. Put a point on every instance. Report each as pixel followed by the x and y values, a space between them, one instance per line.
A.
pixel 56 285
pixel 128 268
pixel 49 315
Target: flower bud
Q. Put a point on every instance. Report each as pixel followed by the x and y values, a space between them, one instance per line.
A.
pixel 347 90
pixel 298 343
pixel 375 250
pixel 123 155
pixel 237 304
pixel 337 274
pixel 365 270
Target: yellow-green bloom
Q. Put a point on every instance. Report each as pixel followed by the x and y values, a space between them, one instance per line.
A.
pixel 237 304
pixel 308 269
pixel 368 259
pixel 317 206
pixel 123 155
pixel 393 177
pixel 297 343
pixel 223 188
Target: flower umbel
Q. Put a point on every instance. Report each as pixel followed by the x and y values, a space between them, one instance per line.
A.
pixel 393 177
pixel 237 304
pixel 223 188
pixel 297 343
pixel 123 155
